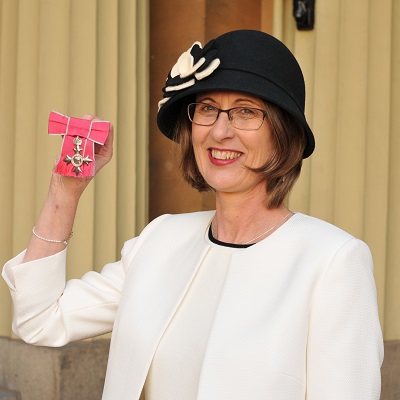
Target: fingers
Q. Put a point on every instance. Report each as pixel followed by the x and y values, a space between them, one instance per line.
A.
pixel 91 117
pixel 110 138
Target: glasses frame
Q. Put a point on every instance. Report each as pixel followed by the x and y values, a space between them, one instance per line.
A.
pixel 228 112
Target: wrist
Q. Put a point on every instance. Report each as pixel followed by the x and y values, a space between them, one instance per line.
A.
pixel 67 188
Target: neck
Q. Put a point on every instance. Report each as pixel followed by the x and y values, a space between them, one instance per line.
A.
pixel 239 218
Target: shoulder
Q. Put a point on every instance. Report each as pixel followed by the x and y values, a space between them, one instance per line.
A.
pixel 319 239
pixel 317 229
pixel 181 223
pixel 170 227
pixel 169 232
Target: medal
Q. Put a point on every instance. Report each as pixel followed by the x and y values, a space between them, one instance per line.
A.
pixel 79 137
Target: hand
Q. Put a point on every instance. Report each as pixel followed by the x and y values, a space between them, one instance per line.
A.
pixel 73 187
pixel 102 153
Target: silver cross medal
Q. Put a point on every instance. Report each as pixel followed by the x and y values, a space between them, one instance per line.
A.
pixel 77 160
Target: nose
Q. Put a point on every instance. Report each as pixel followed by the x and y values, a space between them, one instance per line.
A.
pixel 222 127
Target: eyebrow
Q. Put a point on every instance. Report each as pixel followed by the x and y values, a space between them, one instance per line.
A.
pixel 239 100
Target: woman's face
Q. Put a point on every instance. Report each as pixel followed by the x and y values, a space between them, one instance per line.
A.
pixel 223 152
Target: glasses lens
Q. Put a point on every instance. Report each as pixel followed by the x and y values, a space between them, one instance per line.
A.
pixel 202 114
pixel 246 118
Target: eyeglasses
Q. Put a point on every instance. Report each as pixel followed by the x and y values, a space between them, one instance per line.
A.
pixel 243 118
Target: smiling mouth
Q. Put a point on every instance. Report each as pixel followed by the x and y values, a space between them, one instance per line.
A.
pixel 224 155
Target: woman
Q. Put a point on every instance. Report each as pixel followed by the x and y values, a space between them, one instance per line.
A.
pixel 252 301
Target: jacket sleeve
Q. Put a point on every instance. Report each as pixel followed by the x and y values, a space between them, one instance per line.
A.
pixel 50 312
pixel 345 346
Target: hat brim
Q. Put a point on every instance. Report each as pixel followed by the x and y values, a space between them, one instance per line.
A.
pixel 233 80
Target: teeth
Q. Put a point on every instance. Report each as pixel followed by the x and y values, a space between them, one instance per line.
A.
pixel 224 155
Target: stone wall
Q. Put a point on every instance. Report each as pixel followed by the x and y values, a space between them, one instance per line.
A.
pixel 72 372
pixel 391 371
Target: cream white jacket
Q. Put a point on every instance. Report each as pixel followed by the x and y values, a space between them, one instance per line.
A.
pixel 297 318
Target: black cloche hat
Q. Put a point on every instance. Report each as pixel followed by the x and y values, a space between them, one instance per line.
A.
pixel 247 61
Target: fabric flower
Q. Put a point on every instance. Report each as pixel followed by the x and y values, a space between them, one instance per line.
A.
pixel 193 65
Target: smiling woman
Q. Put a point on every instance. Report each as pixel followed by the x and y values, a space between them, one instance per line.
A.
pixel 250 301
pixel 226 154
pixel 279 171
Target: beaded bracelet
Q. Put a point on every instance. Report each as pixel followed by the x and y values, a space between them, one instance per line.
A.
pixel 65 241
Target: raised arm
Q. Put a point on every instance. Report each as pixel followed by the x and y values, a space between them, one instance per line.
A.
pixel 54 226
pixel 47 310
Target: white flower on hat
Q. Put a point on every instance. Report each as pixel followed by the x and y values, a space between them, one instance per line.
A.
pixel 185 67
pixel 188 69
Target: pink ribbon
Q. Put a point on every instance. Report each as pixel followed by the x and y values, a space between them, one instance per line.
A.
pixel 77 150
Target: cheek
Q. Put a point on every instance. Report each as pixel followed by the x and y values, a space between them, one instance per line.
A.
pixel 198 138
pixel 260 149
pixel 267 145
pixel 197 155
pixel 268 150
pixel 195 145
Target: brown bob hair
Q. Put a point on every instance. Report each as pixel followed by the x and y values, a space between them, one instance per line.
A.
pixel 280 171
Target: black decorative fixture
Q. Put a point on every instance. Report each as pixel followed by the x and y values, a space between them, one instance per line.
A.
pixel 303 13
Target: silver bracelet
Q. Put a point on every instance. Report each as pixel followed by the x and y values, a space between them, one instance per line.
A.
pixel 65 241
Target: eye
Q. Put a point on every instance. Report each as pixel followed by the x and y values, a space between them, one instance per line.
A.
pixel 244 112
pixel 205 108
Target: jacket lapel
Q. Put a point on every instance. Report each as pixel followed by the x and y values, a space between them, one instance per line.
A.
pixel 160 274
